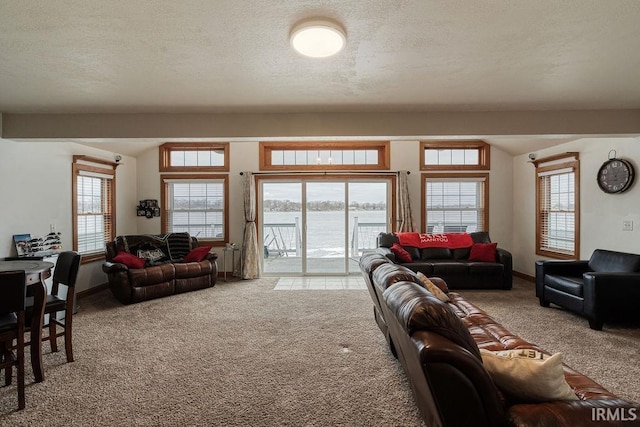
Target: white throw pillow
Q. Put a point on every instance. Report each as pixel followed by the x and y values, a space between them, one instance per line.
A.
pixel 528 375
pixel 436 291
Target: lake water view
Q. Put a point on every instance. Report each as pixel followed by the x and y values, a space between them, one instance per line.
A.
pixel 325 232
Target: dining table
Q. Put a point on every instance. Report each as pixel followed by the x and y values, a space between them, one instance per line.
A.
pixel 36 272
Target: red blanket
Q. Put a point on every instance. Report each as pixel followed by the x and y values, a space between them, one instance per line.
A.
pixel 446 240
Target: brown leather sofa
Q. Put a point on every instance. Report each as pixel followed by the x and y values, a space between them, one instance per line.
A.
pixel 164 277
pixel 453 265
pixel 438 345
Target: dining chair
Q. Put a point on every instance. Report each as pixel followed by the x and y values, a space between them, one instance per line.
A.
pixel 13 290
pixel 64 278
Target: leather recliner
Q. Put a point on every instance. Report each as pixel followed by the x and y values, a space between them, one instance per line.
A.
pixel 609 281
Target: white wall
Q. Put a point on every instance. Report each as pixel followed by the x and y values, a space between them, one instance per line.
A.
pixel 601 214
pixel 35 190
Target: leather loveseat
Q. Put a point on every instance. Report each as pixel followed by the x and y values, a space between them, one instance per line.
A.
pixel 437 344
pixel 162 275
pixel 453 265
pixel 596 288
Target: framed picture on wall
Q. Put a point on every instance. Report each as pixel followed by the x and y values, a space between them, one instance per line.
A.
pixel 22 243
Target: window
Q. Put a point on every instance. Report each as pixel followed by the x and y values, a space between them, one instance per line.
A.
pixel 196 204
pixel 455 203
pixel 93 207
pixel 194 157
pixel 454 155
pixel 341 155
pixel 557 206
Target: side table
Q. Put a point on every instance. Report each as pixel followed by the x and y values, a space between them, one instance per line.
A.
pixel 233 251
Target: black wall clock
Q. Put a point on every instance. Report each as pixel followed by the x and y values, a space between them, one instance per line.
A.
pixel 615 176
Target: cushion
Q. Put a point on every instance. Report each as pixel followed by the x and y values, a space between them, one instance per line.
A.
pixel 197 254
pixel 436 253
pixel 528 375
pixel 154 256
pixel 400 253
pixel 431 287
pixel 129 260
pixel 485 252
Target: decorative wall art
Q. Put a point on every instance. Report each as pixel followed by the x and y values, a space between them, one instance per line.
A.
pixel 148 208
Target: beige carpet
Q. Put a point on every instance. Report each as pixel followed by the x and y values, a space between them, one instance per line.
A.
pixel 244 354
pixel 238 354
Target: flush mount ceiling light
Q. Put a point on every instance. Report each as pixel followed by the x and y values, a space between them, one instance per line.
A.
pixel 318 38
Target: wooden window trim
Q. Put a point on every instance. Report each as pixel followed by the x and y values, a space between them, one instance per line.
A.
pixel 166 149
pixel 266 148
pixel 454 175
pixel 551 163
pixel 484 154
pixel 195 177
pixel 91 164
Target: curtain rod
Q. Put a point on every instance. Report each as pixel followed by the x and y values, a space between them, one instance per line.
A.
pixel 325 173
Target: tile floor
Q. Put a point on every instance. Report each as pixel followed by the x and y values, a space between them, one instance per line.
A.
pixel 320 283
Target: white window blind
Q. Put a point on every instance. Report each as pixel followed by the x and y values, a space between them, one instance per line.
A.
pixel 196 207
pixel 94 204
pixel 455 205
pixel 557 222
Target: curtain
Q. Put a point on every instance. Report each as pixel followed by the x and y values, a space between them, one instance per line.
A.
pixel 405 217
pixel 250 261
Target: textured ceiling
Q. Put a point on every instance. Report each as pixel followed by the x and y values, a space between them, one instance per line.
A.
pixel 234 56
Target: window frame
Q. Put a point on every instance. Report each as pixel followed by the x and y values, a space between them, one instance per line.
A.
pixel 267 147
pixel 484 154
pixel 167 148
pixel 99 166
pixel 164 229
pixel 452 176
pixel 545 165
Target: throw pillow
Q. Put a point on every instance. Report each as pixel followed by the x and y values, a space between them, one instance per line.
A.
pixel 197 254
pixel 485 252
pixel 431 287
pixel 153 256
pixel 528 375
pixel 129 260
pixel 400 253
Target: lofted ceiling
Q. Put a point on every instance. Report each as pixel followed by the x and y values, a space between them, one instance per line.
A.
pixel 233 56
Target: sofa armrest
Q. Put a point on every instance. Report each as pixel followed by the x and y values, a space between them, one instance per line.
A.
pixel 605 291
pixel 386 252
pixel 590 412
pixel 113 267
pixel 211 256
pixel 566 268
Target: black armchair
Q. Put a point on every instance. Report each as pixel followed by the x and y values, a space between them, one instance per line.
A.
pixel 609 281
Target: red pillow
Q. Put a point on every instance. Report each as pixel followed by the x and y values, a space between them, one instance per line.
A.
pixel 197 254
pixel 400 253
pixel 129 260
pixel 485 252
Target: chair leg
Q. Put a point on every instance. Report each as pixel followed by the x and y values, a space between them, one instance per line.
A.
pixel 596 324
pixel 5 350
pixel 68 340
pixel 53 341
pixel 20 350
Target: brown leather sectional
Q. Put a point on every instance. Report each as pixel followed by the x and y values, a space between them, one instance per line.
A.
pixel 167 277
pixel 438 346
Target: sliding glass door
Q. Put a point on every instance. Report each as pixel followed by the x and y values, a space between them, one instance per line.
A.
pixel 321 226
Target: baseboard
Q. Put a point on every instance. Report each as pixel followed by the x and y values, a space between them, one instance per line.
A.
pixel 526 277
pixel 91 291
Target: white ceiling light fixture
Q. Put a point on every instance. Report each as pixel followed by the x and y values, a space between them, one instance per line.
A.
pixel 318 38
